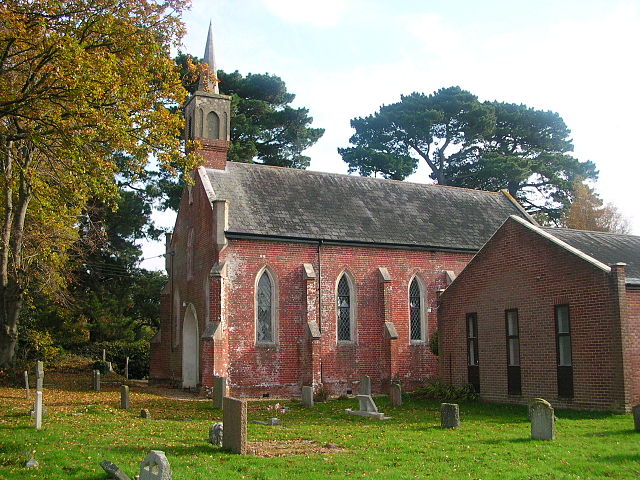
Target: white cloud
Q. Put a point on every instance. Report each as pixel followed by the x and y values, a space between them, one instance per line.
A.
pixel 434 34
pixel 326 13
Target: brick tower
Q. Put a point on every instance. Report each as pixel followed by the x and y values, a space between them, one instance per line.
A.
pixel 208 113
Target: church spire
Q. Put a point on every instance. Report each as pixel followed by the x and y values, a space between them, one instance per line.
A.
pixel 210 84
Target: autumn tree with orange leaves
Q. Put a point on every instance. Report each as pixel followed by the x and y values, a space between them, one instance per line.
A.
pixel 80 81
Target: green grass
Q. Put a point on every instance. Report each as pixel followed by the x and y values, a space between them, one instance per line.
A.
pixel 492 443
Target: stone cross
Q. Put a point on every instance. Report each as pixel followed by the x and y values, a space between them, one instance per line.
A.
pixel 636 417
pixel 543 421
pixel 234 419
pixel 26 385
pixel 124 397
pixel 395 394
pixel 126 368
pixel 365 385
pixel 155 466
pixel 449 415
pixel 96 380
pixel 216 434
pixel 39 375
pixel 219 391
pixel 38 410
pixel 307 396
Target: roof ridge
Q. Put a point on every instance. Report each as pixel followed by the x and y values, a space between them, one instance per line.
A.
pixel 577 230
pixel 361 177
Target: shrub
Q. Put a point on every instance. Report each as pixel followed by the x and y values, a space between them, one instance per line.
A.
pixel 36 345
pixel 442 392
pixel 433 343
pixel 100 365
pixel 117 352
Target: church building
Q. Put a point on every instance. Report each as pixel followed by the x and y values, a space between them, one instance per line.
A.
pixel 280 278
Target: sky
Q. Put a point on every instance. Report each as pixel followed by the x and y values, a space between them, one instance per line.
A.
pixel 345 58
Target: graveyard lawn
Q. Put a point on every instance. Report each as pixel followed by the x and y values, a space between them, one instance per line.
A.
pixel 83 428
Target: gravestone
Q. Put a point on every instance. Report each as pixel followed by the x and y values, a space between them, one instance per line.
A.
pixel 449 415
pixel 39 375
pixel 216 433
pixel 365 386
pixel 155 466
pixel 31 463
pixel 26 385
pixel 543 421
pixel 104 355
pixel 234 419
pixel 124 397
pixel 395 394
pixel 126 368
pixel 636 417
pixel 113 470
pixel 368 408
pixel 38 410
pixel 219 391
pixel 96 380
pixel 307 396
pixel 144 413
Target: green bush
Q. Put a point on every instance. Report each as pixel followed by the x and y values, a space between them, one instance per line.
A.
pixel 443 392
pixel 433 343
pixel 100 365
pixel 36 345
pixel 116 353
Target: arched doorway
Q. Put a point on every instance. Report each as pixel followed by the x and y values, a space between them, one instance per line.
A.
pixel 190 347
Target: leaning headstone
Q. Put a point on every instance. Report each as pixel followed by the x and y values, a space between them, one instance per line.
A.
pixel 543 421
pixel 365 386
pixel 26 385
pixel 396 394
pixel 368 408
pixel 155 466
pixel 144 413
pixel 219 391
pixel 126 368
pixel 234 418
pixel 96 380
pixel 449 415
pixel 307 396
pixel 38 410
pixel 124 397
pixel 636 417
pixel 113 470
pixel 39 375
pixel 216 433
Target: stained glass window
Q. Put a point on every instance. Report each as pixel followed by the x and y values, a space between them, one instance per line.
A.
pixel 264 321
pixel 414 310
pixel 344 309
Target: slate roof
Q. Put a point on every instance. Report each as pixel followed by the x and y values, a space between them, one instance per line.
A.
pixel 608 248
pixel 302 204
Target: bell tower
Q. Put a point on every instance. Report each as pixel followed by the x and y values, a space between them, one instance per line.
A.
pixel 208 114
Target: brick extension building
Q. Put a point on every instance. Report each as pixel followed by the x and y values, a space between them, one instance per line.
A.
pixel 545 312
pixel 280 278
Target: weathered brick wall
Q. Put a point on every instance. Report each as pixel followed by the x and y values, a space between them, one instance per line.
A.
pixel 632 358
pixel 520 269
pixel 280 369
pixel 166 358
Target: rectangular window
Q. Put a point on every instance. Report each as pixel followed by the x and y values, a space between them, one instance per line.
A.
pixel 514 382
pixel 563 346
pixel 472 351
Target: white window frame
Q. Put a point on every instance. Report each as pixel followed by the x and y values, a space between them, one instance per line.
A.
pixel 274 307
pixel 424 332
pixel 353 311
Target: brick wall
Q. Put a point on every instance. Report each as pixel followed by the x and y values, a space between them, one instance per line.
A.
pixel 632 358
pixel 520 269
pixel 281 368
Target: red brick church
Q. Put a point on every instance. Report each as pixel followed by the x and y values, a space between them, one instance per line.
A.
pixel 280 278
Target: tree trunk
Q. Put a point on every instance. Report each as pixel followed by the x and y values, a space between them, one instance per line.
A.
pixel 11 300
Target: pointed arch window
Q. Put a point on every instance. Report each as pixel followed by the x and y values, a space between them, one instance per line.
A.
pixel 266 327
pixel 416 311
pixel 213 126
pixel 345 310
